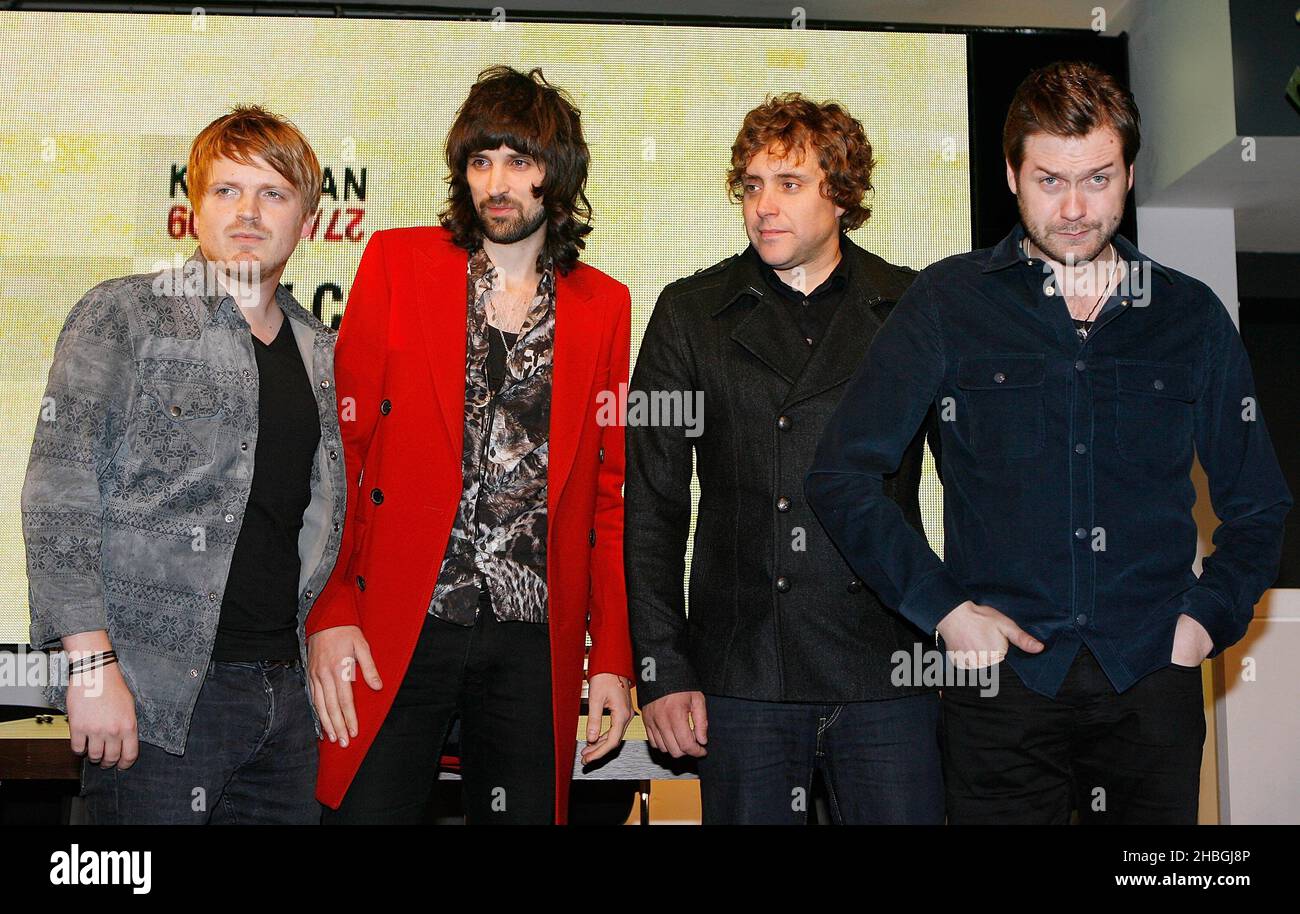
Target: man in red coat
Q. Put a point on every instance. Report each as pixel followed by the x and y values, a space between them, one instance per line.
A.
pixel 484 536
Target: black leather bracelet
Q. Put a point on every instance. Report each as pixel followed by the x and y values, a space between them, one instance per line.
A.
pixel 92 662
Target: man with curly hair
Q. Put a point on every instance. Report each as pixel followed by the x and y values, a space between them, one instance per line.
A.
pixel 485 540
pixel 783 667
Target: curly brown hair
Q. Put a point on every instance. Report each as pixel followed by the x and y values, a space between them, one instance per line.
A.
pixel 531 116
pixel 789 122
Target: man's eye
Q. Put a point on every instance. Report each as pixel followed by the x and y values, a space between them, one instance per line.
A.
pixel 790 184
pixel 1098 179
pixel 222 190
pixel 1049 181
pixel 275 193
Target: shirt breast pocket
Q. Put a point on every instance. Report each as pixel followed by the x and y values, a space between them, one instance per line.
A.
pixel 1153 413
pixel 1004 404
pixel 178 424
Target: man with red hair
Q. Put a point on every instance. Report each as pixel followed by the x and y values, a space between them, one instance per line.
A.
pixel 783 667
pixel 184 503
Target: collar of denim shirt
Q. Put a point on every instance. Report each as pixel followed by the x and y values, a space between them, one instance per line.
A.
pixel 205 306
pixel 1008 251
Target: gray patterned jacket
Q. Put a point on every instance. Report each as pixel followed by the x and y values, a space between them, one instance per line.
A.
pixel 139 476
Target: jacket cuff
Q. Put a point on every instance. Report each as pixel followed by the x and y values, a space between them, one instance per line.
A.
pixel 678 680
pixel 48 630
pixel 332 610
pixel 1204 605
pixel 931 599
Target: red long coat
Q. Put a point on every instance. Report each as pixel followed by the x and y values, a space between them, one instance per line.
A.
pixel 402 342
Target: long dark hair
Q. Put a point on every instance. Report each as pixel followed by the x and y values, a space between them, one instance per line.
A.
pixel 531 116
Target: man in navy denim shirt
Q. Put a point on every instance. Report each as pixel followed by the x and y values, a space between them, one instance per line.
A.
pixel 1074 378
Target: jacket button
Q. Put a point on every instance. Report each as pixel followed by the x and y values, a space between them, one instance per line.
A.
pixel 334 455
pixel 855 586
pixel 212 597
pixel 377 496
pixel 1081 534
pixel 230 518
pixel 1158 384
pixel 1081 448
pixel 783 584
pixel 386 407
pixel 783 504
pixel 1080 365
pixel 336 528
pixel 361 583
pixel 591 536
pixel 243 445
pixel 601 455
pixel 325 384
pixel 175 410
pixel 194 674
pixel 999 378
pixel 307 595
pixel 784 423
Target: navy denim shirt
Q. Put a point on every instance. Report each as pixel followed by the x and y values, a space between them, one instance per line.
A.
pixel 1065 462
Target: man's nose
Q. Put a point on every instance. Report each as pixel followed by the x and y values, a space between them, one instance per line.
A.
pixel 1073 207
pixel 496 183
pixel 247 207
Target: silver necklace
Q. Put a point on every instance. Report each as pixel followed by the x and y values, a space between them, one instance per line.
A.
pixel 1110 279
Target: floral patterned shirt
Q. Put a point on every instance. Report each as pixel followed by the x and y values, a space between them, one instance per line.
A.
pixel 498 540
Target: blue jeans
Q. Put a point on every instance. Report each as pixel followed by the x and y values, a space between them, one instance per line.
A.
pixel 250 759
pixel 879 760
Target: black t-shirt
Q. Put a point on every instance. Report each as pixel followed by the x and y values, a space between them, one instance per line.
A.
pixel 259 612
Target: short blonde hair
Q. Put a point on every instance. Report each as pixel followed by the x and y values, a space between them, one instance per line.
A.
pixel 251 130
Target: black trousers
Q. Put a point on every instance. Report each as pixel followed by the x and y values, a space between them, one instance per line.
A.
pixel 1018 757
pixel 497 676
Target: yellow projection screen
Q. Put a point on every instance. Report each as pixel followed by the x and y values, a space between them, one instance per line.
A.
pixel 101 110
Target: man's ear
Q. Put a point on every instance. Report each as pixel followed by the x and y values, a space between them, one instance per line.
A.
pixel 1130 176
pixel 1011 177
pixel 307 222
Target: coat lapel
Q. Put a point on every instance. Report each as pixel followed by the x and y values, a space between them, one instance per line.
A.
pixel 769 331
pixel 772 335
pixel 440 292
pixel 844 343
pixel 573 365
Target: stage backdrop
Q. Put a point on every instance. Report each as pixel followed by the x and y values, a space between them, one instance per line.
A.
pixel 101 109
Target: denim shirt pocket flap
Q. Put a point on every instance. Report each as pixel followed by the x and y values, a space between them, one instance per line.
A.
pixel 1156 379
pixel 183 400
pixel 1000 372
